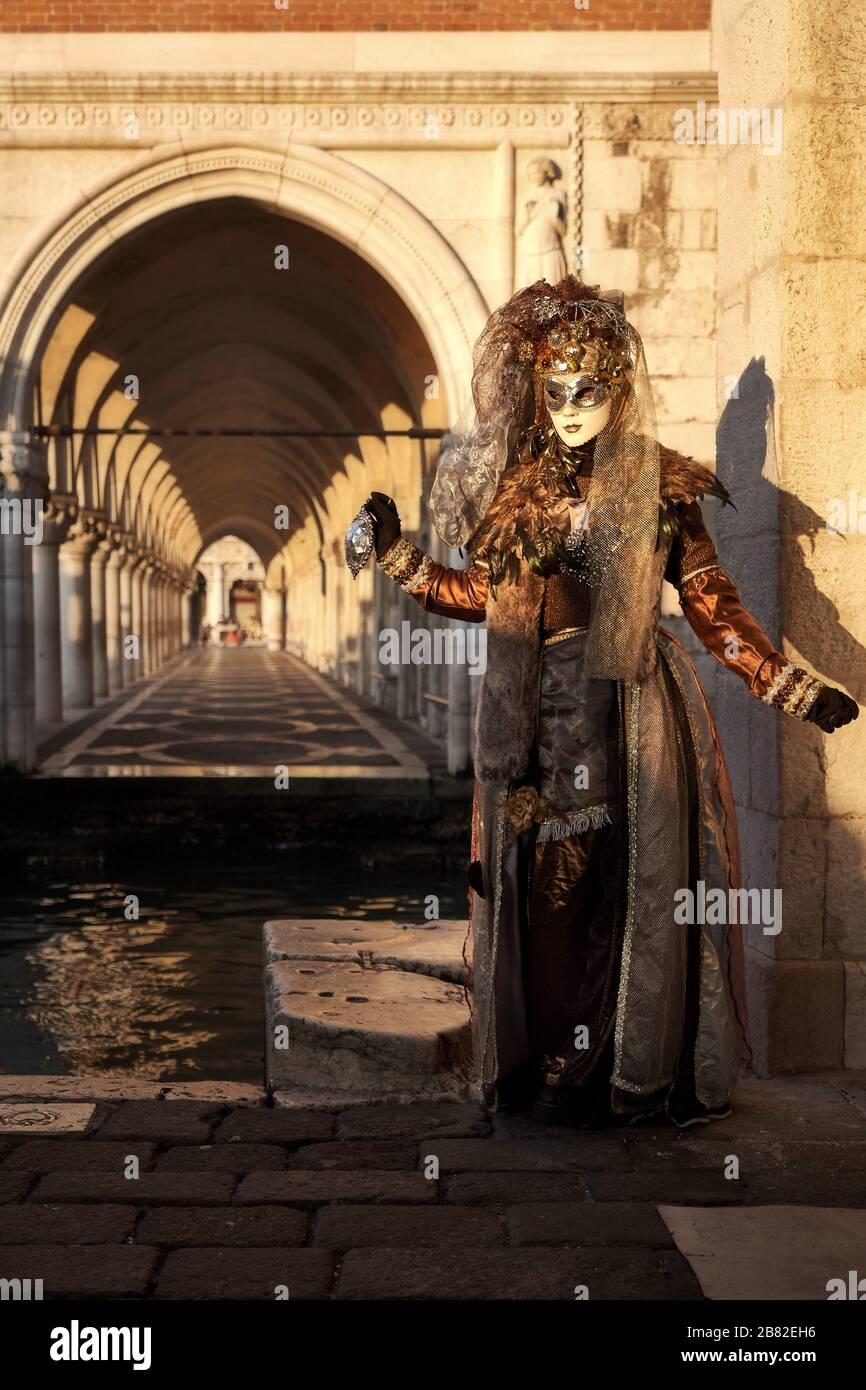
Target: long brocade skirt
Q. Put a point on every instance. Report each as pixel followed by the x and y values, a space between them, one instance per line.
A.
pixel 581 974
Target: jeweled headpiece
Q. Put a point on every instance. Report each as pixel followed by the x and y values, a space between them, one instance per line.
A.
pixel 580 335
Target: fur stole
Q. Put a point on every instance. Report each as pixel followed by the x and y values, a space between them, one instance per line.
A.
pixel 507 705
pixel 517 528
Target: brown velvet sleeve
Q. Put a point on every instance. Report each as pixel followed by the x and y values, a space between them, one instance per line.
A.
pixel 711 603
pixel 450 593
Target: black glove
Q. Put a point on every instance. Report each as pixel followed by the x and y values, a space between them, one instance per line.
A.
pixel 832 709
pixel 476 878
pixel 386 520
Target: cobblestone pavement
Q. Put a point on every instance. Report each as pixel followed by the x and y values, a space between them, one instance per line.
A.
pixel 253 1202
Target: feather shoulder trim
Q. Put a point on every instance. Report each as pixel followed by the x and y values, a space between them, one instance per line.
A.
pixel 683 480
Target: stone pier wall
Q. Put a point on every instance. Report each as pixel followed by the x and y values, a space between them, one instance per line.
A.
pixel 791 436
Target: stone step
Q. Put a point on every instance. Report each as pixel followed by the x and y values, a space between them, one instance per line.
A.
pixel 434 948
pixel 371 1009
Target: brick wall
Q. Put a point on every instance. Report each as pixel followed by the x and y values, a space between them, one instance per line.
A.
pixel 71 16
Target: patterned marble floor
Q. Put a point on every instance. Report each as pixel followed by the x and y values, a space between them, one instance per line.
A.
pixel 236 712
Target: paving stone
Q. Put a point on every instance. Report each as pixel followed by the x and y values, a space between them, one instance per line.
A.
pixel 79 1088
pixel 316 1098
pixel 709 1189
pixel 788 1109
pixel 520 1125
pixel 314 1189
pixel 852 1087
pixel 804 1187
pixel 228 1092
pixel 345 1227
pixel 202 1226
pixel 784 1254
pixel 169 1122
pixel 151 1189
pixel 222 1158
pixel 275 1127
pixel 79 1156
pixel 823 1157
pixel 393 1155
pixel 681 1278
pixel 43 1117
pixel 414 1122
pixel 468 1274
pixel 516 1156
pixel 15 1186
pixel 587 1223
pixel 506 1189
pixel 246 1274
pixel 82 1271
pixel 30 1224
pixel 700 1155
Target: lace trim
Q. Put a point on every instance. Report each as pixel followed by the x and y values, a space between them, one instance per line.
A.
pixel 575 824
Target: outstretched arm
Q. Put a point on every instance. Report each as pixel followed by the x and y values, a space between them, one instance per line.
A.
pixel 715 612
pixel 451 593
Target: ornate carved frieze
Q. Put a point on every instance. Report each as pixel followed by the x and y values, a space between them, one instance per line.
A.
pixel 356 108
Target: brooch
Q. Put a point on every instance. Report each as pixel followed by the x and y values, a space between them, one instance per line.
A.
pixel 360 541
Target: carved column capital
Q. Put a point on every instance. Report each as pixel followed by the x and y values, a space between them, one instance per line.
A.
pixel 81 538
pixel 23 465
pixel 58 514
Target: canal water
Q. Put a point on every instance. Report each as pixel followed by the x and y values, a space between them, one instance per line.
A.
pixel 174 994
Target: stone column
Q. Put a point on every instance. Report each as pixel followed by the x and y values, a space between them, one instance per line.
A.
pixel 272 619
pixel 162 635
pixel 114 603
pixel 164 617
pixel 98 562
pixel 75 615
pixel 57 518
pixel 146 570
pixel 215 597
pixel 190 629
pixel 134 665
pixel 157 623
pixel 791 444
pixel 24 487
pixel 169 597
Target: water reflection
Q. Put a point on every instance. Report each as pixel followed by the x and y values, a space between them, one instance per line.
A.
pixel 177 994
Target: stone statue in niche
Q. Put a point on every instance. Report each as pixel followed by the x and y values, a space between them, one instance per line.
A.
pixel 540 254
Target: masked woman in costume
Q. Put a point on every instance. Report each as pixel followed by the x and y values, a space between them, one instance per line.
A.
pixel 602 800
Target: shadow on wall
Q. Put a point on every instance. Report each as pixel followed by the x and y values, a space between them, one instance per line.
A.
pixel 763 538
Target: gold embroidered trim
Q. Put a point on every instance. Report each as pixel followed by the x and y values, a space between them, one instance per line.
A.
pixel 704 569
pixel 562 828
pixel 420 576
pixel 809 699
pixel 793 691
pixel 402 561
pixel 769 695
pixel 490 1025
pixel 632 765
pixel 561 636
pixel 702 869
